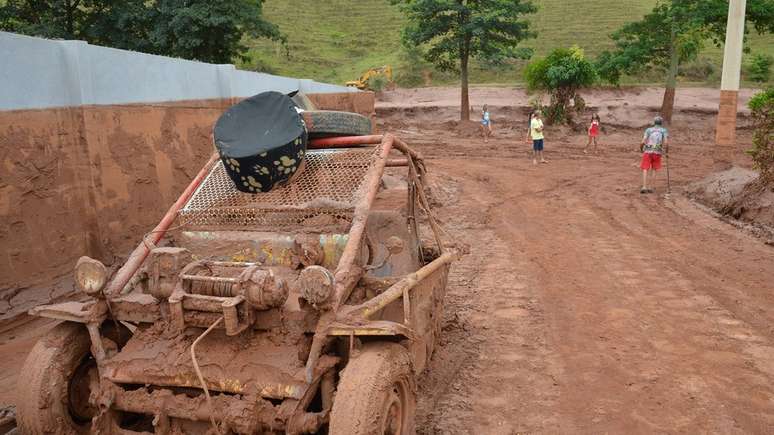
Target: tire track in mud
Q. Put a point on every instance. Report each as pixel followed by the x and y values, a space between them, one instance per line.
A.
pixel 587 308
pixel 493 343
pixel 634 315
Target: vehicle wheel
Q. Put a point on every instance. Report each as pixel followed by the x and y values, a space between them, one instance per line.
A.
pixel 54 385
pixel 323 123
pixel 376 394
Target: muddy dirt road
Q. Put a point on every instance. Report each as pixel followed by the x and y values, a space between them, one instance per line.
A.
pixel 586 307
pixel 583 306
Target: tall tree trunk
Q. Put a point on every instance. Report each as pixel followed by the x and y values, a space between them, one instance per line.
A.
pixel 668 104
pixel 465 101
pixel 464 18
pixel 70 9
pixel 69 21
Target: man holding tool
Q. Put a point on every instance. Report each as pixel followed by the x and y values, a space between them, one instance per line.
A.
pixel 652 146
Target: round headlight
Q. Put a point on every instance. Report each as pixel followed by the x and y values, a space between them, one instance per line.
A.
pixel 90 276
pixel 262 289
pixel 316 283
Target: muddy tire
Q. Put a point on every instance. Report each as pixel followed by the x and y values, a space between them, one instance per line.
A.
pixel 324 123
pixel 52 392
pixel 376 394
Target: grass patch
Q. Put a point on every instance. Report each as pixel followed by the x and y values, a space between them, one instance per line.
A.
pixel 336 40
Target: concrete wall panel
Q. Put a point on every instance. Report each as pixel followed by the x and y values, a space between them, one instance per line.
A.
pixel 33 69
pixel 39 73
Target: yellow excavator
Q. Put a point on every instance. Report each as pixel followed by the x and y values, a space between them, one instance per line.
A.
pixel 362 82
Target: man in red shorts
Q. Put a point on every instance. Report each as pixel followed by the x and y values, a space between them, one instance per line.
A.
pixel 653 142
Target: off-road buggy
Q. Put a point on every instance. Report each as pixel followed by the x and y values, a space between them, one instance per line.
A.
pixel 307 309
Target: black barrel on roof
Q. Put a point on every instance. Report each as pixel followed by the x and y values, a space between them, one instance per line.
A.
pixel 262 141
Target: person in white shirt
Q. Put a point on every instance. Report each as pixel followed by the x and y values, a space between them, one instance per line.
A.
pixel 486 124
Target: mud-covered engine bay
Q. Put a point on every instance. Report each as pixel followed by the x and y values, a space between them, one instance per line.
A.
pixel 250 302
pixel 251 362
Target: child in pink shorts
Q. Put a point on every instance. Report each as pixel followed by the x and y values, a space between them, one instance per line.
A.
pixel 593 133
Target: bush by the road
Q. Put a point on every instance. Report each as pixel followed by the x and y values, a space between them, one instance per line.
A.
pixel 762 152
pixel 562 73
pixel 377 84
pixel 701 69
pixel 760 68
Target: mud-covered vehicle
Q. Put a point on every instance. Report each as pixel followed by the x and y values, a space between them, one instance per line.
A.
pixel 307 309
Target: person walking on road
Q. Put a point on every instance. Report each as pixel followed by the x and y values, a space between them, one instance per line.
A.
pixel 593 133
pixel 536 133
pixel 653 142
pixel 486 124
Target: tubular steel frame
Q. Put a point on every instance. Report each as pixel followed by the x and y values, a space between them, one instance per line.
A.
pixel 335 321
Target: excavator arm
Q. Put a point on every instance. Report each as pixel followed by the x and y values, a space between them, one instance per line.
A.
pixel 362 82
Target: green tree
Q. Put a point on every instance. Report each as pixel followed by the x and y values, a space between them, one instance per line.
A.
pixel 205 30
pixel 562 73
pixel 453 31
pixel 674 32
pixel 48 18
pixel 120 24
pixel 664 38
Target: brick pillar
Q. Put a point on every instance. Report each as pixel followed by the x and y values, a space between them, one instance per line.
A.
pixel 725 129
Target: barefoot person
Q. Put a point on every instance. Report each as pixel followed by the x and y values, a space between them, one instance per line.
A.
pixel 593 133
pixel 536 133
pixel 653 142
pixel 486 124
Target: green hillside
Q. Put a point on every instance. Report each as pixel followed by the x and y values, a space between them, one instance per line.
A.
pixel 336 40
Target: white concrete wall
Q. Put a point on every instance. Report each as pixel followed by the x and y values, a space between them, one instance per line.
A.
pixel 39 73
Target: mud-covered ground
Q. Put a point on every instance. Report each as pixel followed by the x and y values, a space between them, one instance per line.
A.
pixel 583 306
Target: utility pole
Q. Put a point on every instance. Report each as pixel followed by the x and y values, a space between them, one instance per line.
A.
pixel 725 129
